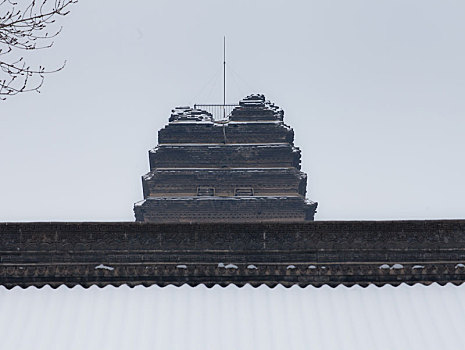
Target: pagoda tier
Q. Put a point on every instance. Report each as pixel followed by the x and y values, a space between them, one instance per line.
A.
pixel 225 156
pixel 229 133
pixel 224 209
pixel 224 182
pixel 242 169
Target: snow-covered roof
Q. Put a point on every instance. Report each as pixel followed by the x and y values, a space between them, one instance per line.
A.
pixel 258 102
pixel 404 317
pixel 188 114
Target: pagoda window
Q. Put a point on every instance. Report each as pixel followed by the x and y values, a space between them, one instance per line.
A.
pixel 243 191
pixel 205 191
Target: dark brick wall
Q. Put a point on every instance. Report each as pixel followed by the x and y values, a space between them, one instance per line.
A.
pixel 345 252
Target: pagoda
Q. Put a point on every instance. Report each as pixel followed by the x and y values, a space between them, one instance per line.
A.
pixel 241 167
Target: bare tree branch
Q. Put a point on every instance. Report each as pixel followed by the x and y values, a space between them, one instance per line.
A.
pixel 29 25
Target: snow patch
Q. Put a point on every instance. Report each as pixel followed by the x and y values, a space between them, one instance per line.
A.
pixel 397 266
pixel 104 267
pixel 229 266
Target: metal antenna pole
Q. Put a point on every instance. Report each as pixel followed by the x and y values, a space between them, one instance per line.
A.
pixel 224 77
pixel 224 88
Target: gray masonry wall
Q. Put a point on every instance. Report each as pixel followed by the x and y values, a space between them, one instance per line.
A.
pixel 317 253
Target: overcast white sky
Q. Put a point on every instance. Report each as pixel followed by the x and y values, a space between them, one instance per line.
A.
pixel 373 89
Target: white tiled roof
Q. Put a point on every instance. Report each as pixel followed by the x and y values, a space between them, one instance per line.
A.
pixel 403 317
